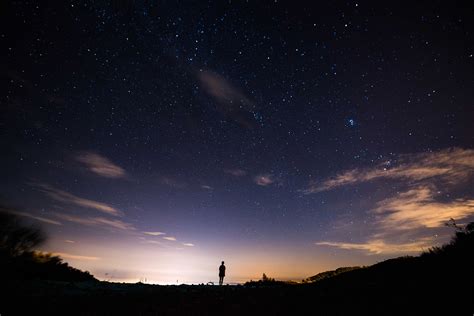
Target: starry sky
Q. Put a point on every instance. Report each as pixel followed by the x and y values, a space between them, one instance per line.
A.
pixel 153 139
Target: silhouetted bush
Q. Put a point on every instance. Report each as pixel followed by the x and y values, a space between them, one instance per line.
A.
pixel 460 245
pixel 267 279
pixel 15 237
pixel 19 261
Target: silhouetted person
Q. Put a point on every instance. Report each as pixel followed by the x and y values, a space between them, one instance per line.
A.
pixel 221 273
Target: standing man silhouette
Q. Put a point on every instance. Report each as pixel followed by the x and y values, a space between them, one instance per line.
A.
pixel 221 273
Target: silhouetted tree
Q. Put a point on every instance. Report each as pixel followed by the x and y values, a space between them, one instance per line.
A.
pixel 15 237
pixel 460 245
pixel 19 261
pixel 265 278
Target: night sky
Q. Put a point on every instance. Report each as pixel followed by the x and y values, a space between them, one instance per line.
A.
pixel 152 140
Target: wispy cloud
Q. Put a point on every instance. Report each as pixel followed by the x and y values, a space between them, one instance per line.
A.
pixel 75 257
pixel 152 241
pixel 169 238
pixel 69 241
pixel 154 233
pixel 379 246
pixel 230 101
pixel 264 179
pixel 236 172
pixel 38 218
pixel 417 210
pixel 101 165
pixel 114 223
pixel 66 197
pixel 97 221
pixel 165 244
pixel 451 166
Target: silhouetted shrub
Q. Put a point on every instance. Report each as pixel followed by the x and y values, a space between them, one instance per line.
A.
pixel 460 246
pixel 15 237
pixel 267 279
pixel 19 261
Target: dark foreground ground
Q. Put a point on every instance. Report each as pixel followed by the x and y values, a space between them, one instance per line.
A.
pixel 343 295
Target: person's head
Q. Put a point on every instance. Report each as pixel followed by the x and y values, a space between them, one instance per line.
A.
pixel 222 262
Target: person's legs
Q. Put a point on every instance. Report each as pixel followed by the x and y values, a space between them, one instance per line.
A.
pixel 221 279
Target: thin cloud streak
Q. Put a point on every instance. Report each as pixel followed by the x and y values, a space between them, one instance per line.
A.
pixel 236 172
pixel 154 233
pixel 101 165
pixel 169 238
pixel 66 197
pixel 379 246
pixel 38 218
pixel 75 257
pixel 452 166
pixel 163 244
pixel 97 221
pixel 151 241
